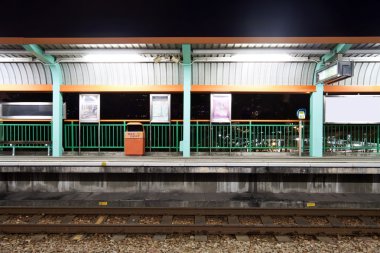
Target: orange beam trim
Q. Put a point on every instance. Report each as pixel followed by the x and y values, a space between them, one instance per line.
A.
pixel 188 40
pixel 265 89
pixel 119 88
pixel 26 87
pixel 349 89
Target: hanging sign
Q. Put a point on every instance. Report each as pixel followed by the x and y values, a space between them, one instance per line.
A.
pixel 220 108
pixel 160 108
pixel 89 108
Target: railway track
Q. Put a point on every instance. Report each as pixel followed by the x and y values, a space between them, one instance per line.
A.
pixel 62 220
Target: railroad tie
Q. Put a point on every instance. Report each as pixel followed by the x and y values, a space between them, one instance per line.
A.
pixel 266 220
pixel 234 220
pixel 133 219
pixel 99 220
pixel 368 221
pixel 200 220
pixel 334 221
pixel 166 220
pixel 67 219
pixel 327 239
pixel 3 218
pixel 301 220
pixel 35 219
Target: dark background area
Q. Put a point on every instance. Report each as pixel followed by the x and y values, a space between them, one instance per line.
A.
pixel 211 18
pixel 136 105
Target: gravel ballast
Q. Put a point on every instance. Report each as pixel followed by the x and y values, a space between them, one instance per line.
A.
pixel 184 243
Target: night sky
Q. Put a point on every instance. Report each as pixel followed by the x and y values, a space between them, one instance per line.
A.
pixel 211 18
pixel 192 18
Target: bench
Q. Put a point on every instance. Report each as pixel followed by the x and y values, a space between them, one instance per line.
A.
pixel 14 144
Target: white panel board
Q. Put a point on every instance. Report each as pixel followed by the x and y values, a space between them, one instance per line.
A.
pixel 353 109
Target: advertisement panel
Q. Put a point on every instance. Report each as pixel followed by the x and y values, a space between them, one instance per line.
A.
pixel 89 108
pixel 220 108
pixel 160 108
pixel 352 109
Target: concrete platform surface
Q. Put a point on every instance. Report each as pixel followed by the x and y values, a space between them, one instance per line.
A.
pixel 267 200
pixel 206 164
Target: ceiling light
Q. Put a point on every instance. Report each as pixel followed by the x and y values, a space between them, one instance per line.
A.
pixel 262 57
pixel 115 58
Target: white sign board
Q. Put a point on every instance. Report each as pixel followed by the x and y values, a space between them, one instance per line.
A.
pixel 89 108
pixel 352 109
pixel 160 108
pixel 220 108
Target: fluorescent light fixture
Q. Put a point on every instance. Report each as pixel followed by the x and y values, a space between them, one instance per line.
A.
pixel 115 58
pixel 262 57
pixel 16 59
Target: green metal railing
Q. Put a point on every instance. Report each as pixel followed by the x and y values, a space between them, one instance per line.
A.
pixel 22 131
pixel 243 136
pixel 205 137
pixel 351 138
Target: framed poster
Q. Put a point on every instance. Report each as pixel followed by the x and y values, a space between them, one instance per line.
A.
pixel 352 109
pixel 89 108
pixel 160 108
pixel 220 108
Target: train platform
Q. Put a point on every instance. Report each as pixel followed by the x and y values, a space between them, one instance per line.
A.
pixel 260 163
pixel 194 200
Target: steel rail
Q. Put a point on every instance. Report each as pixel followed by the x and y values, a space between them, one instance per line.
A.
pixel 187 229
pixel 190 211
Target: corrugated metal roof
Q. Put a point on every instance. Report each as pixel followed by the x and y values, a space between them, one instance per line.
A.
pixel 253 74
pixel 24 73
pixel 128 74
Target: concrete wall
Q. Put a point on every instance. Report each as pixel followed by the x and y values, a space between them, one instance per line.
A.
pixel 189 183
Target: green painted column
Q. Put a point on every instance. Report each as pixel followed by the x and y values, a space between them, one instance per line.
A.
pixel 186 53
pixel 56 74
pixel 57 132
pixel 316 122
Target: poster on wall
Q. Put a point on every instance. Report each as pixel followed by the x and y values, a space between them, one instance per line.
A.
pixel 352 109
pixel 160 108
pixel 220 108
pixel 89 108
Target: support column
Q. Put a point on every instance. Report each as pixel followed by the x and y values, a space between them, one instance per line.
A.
pixel 57 133
pixel 56 74
pixel 316 122
pixel 186 53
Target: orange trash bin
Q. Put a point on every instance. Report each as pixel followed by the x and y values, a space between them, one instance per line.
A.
pixel 134 139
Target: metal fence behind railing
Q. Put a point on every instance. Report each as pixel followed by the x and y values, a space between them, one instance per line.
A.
pixel 205 137
pixel 351 138
pixel 24 131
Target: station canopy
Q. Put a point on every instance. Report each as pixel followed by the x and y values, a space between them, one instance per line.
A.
pixel 254 52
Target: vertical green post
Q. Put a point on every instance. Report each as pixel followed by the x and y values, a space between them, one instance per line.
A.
pixel 316 122
pixel 186 52
pixel 56 73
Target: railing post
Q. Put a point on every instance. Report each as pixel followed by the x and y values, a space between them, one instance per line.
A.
pixel 378 139
pixel 197 136
pixel 176 136
pixel 72 131
pixel 250 136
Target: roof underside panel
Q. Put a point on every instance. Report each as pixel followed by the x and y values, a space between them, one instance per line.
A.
pixel 24 73
pixel 127 74
pixel 253 74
